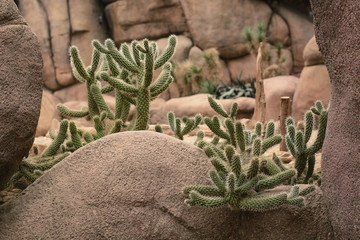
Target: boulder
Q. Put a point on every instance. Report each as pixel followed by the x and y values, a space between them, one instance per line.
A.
pixel 138 19
pixel 20 88
pixel 243 68
pixel 301 31
pixel 336 26
pixel 47 113
pixel 314 84
pixel 278 31
pixel 208 27
pixel 76 92
pixel 274 89
pixel 311 54
pixel 128 185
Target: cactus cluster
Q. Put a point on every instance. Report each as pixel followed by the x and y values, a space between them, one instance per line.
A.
pixel 234 133
pixel 240 172
pixel 297 139
pixel 179 129
pixel 238 188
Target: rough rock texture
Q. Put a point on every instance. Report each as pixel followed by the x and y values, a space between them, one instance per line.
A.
pixel 138 19
pixel 47 113
pixel 274 89
pixel 337 34
pixel 210 25
pixel 59 24
pixel 20 88
pixel 314 84
pixel 301 31
pixel 311 53
pixel 131 184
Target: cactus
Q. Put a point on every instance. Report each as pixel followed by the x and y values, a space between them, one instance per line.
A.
pixel 235 134
pixel 144 89
pixel 176 126
pixel 232 187
pixel 298 137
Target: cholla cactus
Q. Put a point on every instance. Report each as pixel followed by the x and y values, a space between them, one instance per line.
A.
pixel 140 65
pixel 297 139
pixel 233 132
pixel 176 126
pixel 236 187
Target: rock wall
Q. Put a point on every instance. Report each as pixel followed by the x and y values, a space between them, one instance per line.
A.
pixel 208 24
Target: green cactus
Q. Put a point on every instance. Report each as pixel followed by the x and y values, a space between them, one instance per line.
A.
pixel 297 139
pixel 144 89
pixel 176 126
pixel 234 188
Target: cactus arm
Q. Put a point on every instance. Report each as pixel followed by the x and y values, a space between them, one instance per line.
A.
pixel 95 60
pixel 217 181
pixel 236 165
pixel 275 180
pixel 214 126
pixel 240 136
pixel 162 88
pixel 107 89
pixel 77 63
pixel 98 127
pixel 75 138
pixel 149 66
pixel 262 204
pixel 198 199
pixel 162 79
pixel 244 188
pixel 135 52
pixel 256 147
pixel 126 51
pixel 60 138
pixel 309 123
pixel 278 162
pixel 88 137
pixel 307 190
pixel 253 169
pixel 118 83
pixel 269 167
pixel 310 171
pixel 219 165
pixel 258 127
pixel 204 190
pixel 65 111
pixel 270 129
pixel 217 107
pixel 96 92
pixel 290 145
pixel 269 142
pixel 117 126
pixel 231 131
pixel 294 192
pixel 233 109
pixel 167 54
pixel 320 136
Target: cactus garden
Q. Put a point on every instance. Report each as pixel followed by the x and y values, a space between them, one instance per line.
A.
pixel 130 122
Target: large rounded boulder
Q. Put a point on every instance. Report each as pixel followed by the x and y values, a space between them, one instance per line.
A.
pixel 20 88
pixel 128 186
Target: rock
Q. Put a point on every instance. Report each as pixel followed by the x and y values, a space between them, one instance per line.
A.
pixel 47 113
pixel 286 55
pixel 274 89
pixel 338 39
pixel 20 89
pixel 208 27
pixel 76 92
pixel 301 31
pixel 136 180
pixel 311 54
pixel 36 16
pixel 86 24
pixel 278 31
pixel 243 68
pixel 192 105
pixel 314 84
pixel 58 24
pixel 130 19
